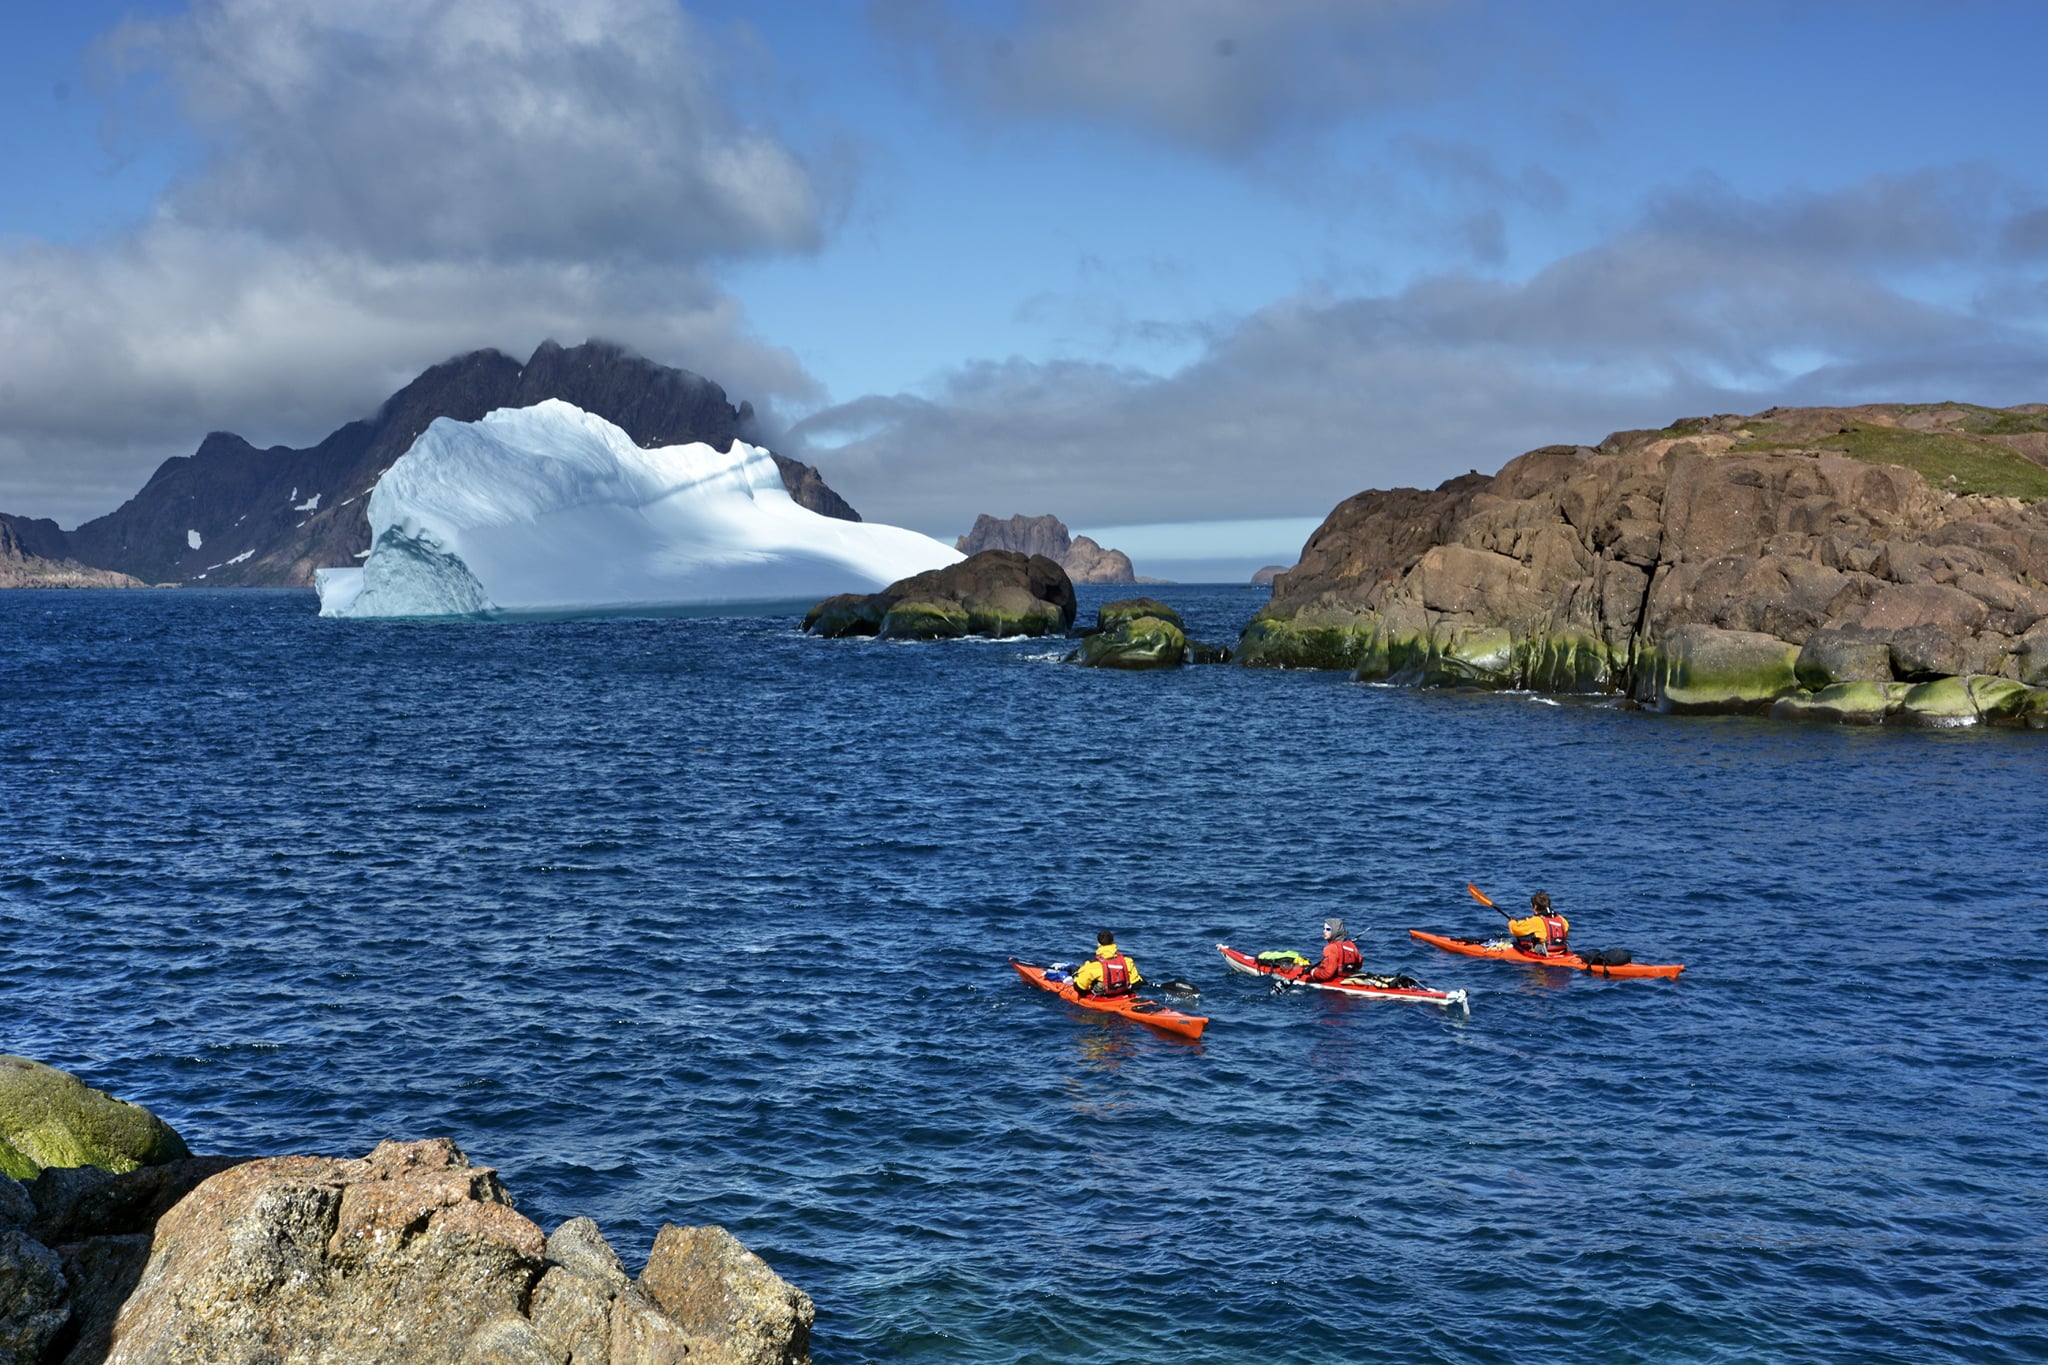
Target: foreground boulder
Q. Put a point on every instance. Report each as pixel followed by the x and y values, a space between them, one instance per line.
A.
pixel 51 1118
pixel 1721 564
pixel 407 1255
pixel 995 593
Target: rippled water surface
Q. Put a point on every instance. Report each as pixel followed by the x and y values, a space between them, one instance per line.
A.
pixel 686 920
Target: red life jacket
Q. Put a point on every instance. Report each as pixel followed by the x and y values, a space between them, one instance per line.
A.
pixel 1554 932
pixel 1116 975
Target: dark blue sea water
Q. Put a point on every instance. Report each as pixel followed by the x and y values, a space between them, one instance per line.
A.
pixel 702 920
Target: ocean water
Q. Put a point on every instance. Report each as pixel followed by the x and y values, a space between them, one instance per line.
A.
pixel 705 921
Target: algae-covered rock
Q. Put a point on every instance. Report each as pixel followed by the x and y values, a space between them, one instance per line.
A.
pixel 1849 703
pixel 924 620
pixel 850 613
pixel 1570 661
pixel 51 1118
pixel 1140 642
pixel 1703 669
pixel 996 592
pixel 1307 641
pixel 1112 614
pixel 1973 700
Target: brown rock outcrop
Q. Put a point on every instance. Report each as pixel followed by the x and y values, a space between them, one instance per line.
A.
pixel 1083 559
pixel 995 593
pixel 407 1255
pixel 22 568
pixel 1583 569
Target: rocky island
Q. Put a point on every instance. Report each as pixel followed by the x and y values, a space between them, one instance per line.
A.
pixel 994 593
pixel 117 1245
pixel 1083 560
pixel 1868 564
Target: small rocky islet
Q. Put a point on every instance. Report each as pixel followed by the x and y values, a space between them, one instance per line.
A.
pixel 1884 564
pixel 1006 593
pixel 118 1245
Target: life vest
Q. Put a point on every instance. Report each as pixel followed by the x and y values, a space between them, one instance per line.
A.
pixel 1554 932
pixel 1348 959
pixel 1116 975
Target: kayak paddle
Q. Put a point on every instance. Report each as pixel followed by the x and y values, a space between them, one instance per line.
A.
pixel 1480 896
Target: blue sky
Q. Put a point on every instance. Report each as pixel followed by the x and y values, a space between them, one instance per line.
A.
pixel 1159 263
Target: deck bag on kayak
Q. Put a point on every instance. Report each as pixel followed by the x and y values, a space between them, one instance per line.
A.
pixel 1608 957
pixel 1287 959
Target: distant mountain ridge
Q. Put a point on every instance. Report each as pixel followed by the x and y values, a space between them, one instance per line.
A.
pixel 230 515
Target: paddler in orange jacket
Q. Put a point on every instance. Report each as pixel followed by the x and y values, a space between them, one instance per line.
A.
pixel 1109 972
pixel 1544 932
pixel 1340 954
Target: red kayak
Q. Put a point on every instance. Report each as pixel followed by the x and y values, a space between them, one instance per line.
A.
pixel 1150 1013
pixel 1361 985
pixel 1508 952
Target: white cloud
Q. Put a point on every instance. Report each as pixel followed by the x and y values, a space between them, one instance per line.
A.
pixel 507 129
pixel 1313 398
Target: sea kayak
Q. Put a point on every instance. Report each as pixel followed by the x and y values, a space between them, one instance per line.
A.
pixel 1150 1013
pixel 1508 952
pixel 1362 985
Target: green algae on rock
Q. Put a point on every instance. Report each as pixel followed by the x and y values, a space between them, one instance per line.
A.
pixel 51 1118
pixel 1112 614
pixel 1136 643
pixel 995 593
pixel 1698 669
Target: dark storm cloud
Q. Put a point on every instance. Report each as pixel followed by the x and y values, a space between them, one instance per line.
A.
pixel 1224 76
pixel 1314 398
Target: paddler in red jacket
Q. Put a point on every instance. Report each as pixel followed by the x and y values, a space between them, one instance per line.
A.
pixel 1109 972
pixel 1544 932
pixel 1340 954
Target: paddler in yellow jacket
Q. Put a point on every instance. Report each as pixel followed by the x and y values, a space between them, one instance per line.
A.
pixel 1544 933
pixel 1109 972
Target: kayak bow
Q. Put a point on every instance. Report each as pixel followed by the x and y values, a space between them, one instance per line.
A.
pixel 1359 985
pixel 1150 1013
pixel 1508 952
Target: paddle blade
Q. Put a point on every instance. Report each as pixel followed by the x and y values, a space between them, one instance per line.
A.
pixel 1480 896
pixel 1180 990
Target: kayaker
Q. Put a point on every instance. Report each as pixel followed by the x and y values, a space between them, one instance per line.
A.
pixel 1340 954
pixel 1543 932
pixel 1109 972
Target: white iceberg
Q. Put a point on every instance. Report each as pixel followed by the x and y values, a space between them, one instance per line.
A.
pixel 549 509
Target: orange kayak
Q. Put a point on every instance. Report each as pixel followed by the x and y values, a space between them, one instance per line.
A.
pixel 1508 952
pixel 1150 1013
